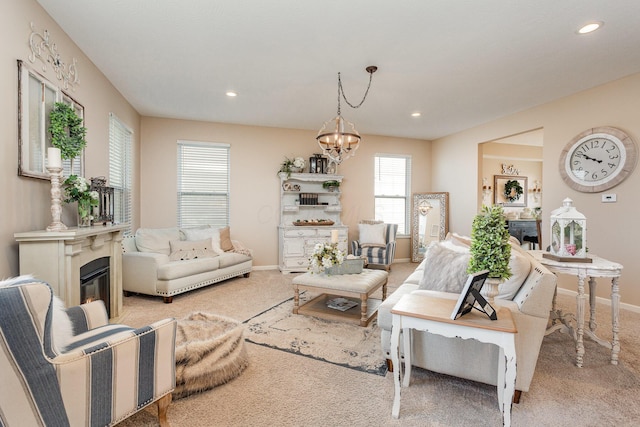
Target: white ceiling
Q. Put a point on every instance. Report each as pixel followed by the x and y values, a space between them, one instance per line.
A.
pixel 460 63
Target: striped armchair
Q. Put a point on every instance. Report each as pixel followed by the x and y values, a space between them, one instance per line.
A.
pixel 380 253
pixel 96 375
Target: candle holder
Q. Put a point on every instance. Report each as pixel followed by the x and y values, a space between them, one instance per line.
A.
pixel 56 199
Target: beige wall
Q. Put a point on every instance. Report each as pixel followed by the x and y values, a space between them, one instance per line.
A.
pixel 256 154
pixel 26 201
pixel 612 233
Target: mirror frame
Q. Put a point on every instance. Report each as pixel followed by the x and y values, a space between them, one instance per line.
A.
pixel 443 226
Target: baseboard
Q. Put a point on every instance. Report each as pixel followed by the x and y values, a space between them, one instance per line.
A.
pixel 606 301
pixel 264 267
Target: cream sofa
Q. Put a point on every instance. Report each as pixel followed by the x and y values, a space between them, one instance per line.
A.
pixel 472 359
pixel 151 267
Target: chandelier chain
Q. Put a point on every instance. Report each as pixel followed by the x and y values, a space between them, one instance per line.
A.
pixel 341 91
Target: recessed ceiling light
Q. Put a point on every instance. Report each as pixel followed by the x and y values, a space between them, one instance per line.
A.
pixel 416 114
pixel 590 27
pixel 231 94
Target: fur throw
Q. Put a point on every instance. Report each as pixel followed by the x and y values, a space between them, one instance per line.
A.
pixel 210 351
pixel 445 268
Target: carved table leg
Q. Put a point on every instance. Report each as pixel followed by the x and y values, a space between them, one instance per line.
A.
pixel 363 309
pixel 580 321
pixel 615 312
pixel 592 304
pixel 296 299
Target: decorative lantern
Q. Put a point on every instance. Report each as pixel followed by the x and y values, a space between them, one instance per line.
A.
pixel 568 234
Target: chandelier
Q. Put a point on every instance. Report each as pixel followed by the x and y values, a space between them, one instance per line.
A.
pixel 337 141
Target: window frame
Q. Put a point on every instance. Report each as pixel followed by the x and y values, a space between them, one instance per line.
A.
pixel 186 219
pixel 406 233
pixel 123 194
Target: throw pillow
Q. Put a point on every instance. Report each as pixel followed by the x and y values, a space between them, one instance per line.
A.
pixel 520 267
pixel 187 249
pixel 445 268
pixel 371 234
pixel 225 239
pixel 201 233
pixel 61 326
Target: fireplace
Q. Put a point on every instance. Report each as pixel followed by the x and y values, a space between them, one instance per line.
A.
pixel 94 282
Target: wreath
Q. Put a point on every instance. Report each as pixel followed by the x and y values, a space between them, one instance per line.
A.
pixel 512 190
pixel 67 132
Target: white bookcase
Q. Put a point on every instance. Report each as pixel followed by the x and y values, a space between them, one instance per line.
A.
pixel 302 198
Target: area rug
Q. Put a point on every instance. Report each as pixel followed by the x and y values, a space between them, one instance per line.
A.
pixel 335 342
pixel 210 351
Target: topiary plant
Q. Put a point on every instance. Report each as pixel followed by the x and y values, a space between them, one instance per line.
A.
pixel 490 248
pixel 67 132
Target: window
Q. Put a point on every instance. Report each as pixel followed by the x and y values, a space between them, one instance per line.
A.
pixel 392 190
pixel 203 184
pixel 36 97
pixel 120 169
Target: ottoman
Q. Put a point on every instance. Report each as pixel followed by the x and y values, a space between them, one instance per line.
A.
pixel 209 352
pixel 359 286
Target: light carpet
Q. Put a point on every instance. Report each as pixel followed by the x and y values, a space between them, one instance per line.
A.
pixel 340 343
pixel 287 389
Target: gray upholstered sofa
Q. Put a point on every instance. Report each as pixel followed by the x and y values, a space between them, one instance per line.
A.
pixel 470 359
pixel 170 261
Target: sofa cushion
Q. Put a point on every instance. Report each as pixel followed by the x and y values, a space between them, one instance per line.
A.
pixel 231 258
pixel 445 267
pixel 156 239
pixel 371 235
pixel 182 250
pixel 384 309
pixel 177 269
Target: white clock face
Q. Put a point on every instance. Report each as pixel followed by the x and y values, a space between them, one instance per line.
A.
pixel 595 159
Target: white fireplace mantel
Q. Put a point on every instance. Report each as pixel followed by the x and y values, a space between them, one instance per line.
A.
pixel 56 257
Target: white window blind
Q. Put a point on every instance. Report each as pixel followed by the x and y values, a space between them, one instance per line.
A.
pixel 120 169
pixel 203 184
pixel 392 190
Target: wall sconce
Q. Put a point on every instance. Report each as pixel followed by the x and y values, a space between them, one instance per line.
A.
pixel 486 189
pixel 536 191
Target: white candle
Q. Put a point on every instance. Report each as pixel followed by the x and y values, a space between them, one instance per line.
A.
pixel 334 236
pixel 54 160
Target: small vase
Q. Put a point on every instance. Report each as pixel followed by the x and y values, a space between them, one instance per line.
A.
pixel 493 284
pixel 84 213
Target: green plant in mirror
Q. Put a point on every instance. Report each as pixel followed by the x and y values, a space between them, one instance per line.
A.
pixel 490 248
pixel 67 132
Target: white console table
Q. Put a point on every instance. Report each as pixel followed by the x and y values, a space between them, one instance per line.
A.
pixel 431 314
pixel 600 267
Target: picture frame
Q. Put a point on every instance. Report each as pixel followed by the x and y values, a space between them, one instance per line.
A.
pixel 517 186
pixel 470 296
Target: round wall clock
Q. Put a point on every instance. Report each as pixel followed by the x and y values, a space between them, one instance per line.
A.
pixel 598 159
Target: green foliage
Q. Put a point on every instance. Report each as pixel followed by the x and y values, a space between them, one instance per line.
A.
pixel 490 248
pixel 512 190
pixel 328 184
pixel 67 132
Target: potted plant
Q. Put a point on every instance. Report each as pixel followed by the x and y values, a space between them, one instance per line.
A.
pixel 490 248
pixel 331 185
pixel 66 130
pixel 292 165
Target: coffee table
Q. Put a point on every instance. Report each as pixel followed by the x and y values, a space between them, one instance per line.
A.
pixel 360 286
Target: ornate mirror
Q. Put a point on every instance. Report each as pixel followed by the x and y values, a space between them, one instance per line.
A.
pixel 429 221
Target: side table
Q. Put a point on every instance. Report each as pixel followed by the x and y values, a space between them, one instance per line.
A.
pixel 431 314
pixel 600 267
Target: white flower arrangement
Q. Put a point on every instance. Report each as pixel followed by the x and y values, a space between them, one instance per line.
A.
pixel 299 162
pixel 325 255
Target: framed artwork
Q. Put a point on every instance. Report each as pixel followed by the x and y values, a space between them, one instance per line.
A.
pixel 510 190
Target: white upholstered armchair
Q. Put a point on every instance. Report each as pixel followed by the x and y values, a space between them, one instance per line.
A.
pixel 71 367
pixel 376 242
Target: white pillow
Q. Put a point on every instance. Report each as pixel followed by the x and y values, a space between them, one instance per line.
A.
pixel 201 233
pixel 156 240
pixel 371 234
pixel 182 250
pixel 61 326
pixel 445 267
pixel 520 267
